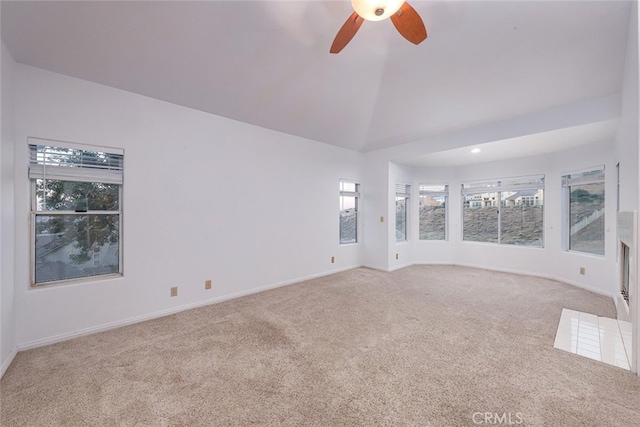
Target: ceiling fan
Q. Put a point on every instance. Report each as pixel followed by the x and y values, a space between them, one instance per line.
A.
pixel 404 18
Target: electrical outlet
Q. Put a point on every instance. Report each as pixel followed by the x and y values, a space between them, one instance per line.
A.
pixel 397 256
pixel 333 259
pixel 174 291
pixel 582 270
pixel 207 284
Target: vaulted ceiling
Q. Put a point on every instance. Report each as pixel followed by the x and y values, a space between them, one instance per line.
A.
pixel 267 62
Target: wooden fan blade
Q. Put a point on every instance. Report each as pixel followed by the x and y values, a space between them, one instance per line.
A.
pixel 409 24
pixel 346 33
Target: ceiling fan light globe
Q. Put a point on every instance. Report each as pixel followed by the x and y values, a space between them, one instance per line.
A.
pixel 367 8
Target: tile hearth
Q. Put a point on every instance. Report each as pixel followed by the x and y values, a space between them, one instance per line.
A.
pixel 599 338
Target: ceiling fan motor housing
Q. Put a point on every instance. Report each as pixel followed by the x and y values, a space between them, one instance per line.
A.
pixel 376 10
pixel 403 16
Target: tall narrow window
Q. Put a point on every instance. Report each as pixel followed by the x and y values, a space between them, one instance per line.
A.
pixel 349 195
pixel 76 211
pixel 507 211
pixel 433 212
pixel 403 195
pixel 584 198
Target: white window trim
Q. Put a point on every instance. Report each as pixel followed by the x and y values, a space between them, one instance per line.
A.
pixel 498 186
pixel 446 209
pixel 566 201
pixel 406 194
pixel 72 176
pixel 355 194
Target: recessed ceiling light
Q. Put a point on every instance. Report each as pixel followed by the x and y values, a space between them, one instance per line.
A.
pixel 475 150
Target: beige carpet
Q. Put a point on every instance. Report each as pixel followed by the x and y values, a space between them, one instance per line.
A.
pixel 426 345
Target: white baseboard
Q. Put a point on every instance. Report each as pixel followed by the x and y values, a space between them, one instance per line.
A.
pixel 542 276
pixel 582 286
pixel 520 272
pixel 434 263
pixel 398 267
pixel 375 267
pixel 7 363
pixel 173 310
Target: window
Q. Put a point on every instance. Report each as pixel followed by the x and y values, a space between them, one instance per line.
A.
pixel 584 205
pixel 403 194
pixel 506 211
pixel 433 212
pixel 349 195
pixel 76 211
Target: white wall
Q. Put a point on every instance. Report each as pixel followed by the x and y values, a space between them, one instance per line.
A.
pixel 7 312
pixel 627 138
pixel 204 197
pixel 627 144
pixel 376 213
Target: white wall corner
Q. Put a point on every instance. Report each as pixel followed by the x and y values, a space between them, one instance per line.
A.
pixel 5 364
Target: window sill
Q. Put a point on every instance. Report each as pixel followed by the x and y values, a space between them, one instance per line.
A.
pixel 502 245
pixel 78 281
pixel 587 254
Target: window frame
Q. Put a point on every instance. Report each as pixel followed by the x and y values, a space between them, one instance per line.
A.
pixel 498 187
pixel 75 175
pixel 598 176
pixel 403 191
pixel 422 190
pixel 356 195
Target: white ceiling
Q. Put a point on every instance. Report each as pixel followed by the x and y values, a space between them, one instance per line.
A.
pixel 268 62
pixel 528 145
